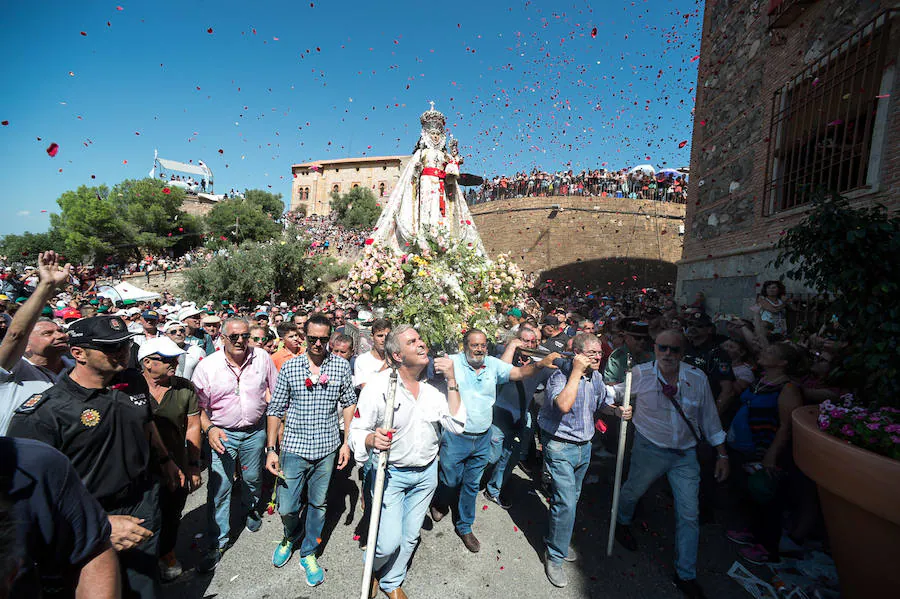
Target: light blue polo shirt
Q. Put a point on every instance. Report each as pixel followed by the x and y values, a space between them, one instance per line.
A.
pixel 478 389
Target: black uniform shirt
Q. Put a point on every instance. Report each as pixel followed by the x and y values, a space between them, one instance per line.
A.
pixel 712 360
pixel 101 431
pixel 59 527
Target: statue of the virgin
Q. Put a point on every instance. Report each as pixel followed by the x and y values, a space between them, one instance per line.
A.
pixel 427 198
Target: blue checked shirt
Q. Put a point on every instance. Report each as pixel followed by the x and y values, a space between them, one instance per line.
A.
pixel 578 424
pixel 311 427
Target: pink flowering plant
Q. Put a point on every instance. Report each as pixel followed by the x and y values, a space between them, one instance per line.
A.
pixel 875 429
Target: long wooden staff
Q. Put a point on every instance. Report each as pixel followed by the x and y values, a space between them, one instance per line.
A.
pixel 378 490
pixel 620 458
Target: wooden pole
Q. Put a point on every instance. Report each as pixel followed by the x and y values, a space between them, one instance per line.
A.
pixel 620 458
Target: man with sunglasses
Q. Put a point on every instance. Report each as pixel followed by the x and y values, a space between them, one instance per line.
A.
pixel 310 389
pixel 233 386
pixel 673 410
pixel 187 362
pixel 177 417
pixel 99 416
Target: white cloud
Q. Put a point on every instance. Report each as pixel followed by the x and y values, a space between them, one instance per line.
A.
pixel 23 212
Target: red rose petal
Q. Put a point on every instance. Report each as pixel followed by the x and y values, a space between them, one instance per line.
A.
pixel 209 30
pixel 594 32
pixel 682 144
pixel 53 149
pixel 4 123
pixel 166 190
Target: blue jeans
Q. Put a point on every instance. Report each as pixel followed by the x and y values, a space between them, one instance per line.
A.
pixel 316 475
pixel 463 460
pixel 649 462
pixel 249 445
pixel 407 495
pixel 567 464
pixel 506 441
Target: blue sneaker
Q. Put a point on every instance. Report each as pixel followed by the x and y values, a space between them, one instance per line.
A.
pixel 282 552
pixel 314 574
pixel 254 521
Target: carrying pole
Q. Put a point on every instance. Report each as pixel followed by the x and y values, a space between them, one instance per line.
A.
pixel 378 490
pixel 620 458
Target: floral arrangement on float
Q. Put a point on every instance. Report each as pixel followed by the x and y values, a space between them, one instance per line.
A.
pixel 876 429
pixel 442 287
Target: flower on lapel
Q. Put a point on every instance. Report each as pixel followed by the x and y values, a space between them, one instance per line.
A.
pixel 323 379
pixel 669 390
pixel 309 383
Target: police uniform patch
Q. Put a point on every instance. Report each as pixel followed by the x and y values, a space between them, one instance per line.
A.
pixel 28 406
pixel 116 324
pixel 90 417
pixel 139 400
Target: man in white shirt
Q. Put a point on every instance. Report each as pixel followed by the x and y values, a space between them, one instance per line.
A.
pixel 673 409
pixel 31 353
pixel 372 362
pixel 149 327
pixel 187 362
pixel 420 412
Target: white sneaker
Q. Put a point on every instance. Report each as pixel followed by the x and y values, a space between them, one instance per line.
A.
pixel 169 573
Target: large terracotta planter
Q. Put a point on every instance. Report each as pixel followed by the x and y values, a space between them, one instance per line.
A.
pixel 860 495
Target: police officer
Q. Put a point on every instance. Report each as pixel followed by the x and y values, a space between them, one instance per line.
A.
pixel 99 416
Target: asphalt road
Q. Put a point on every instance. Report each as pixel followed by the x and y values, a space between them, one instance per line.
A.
pixel 509 564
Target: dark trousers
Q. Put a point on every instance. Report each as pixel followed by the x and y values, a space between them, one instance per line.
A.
pixel 140 571
pixel 764 513
pixel 171 504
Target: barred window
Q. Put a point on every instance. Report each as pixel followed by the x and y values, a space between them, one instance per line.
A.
pixel 825 119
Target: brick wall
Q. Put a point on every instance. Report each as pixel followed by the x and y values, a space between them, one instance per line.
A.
pixel 742 63
pixel 197 206
pixel 592 241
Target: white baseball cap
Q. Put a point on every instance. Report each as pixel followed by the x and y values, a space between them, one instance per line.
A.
pixel 159 345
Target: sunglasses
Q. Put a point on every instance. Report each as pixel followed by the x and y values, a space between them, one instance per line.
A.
pixel 674 349
pixel 235 337
pixel 313 340
pixel 176 332
pixel 110 349
pixel 167 360
pixel 260 339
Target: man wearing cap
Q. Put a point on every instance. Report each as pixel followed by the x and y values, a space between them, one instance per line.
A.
pixel 190 315
pixel 212 324
pixel 31 355
pixel 555 340
pixel 233 386
pixel 149 327
pixel 177 417
pixel 107 431
pixel 187 362
pixel 637 345
pixel 133 318
pixel 262 319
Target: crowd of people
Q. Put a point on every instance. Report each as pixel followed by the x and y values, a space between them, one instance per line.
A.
pixel 666 186
pixel 119 413
pixel 328 235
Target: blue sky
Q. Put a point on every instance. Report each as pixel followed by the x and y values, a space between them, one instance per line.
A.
pixel 522 84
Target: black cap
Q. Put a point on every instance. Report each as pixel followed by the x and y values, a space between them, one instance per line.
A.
pixel 637 328
pixel 701 319
pixel 551 320
pixel 99 330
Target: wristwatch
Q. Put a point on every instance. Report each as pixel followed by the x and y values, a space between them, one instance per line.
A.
pixel 453 388
pixel 209 428
pixel 271 449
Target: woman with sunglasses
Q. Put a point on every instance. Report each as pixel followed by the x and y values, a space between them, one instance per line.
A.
pixel 177 418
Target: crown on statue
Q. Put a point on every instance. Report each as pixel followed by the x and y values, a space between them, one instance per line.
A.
pixel 432 119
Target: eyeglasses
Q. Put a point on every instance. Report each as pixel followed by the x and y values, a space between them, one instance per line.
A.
pixel 259 339
pixel 110 349
pixel 234 337
pixel 313 340
pixel 593 353
pixel 175 332
pixel 478 346
pixel 674 349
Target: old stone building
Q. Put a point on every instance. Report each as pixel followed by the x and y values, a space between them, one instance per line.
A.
pixel 593 242
pixel 314 182
pixel 794 97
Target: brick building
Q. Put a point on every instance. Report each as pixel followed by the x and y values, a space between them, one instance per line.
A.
pixel 314 182
pixel 794 97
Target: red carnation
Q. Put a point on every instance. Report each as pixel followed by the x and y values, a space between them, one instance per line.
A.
pixel 309 383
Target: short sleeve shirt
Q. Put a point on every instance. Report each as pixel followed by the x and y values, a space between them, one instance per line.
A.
pixel 170 416
pixel 478 389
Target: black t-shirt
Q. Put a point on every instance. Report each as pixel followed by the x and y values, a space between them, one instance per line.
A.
pixel 101 431
pixel 59 526
pixel 712 360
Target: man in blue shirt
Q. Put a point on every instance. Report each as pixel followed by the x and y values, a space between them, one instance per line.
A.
pixel 463 457
pixel 567 426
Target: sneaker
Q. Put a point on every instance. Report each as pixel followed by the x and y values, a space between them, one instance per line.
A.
pixel 282 552
pixel 496 499
pixel 254 521
pixel 625 538
pixel 314 574
pixel 211 560
pixel 571 556
pixel 438 513
pixel 690 588
pixel 555 573
pixel 741 537
pixel 757 554
pixel 169 568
